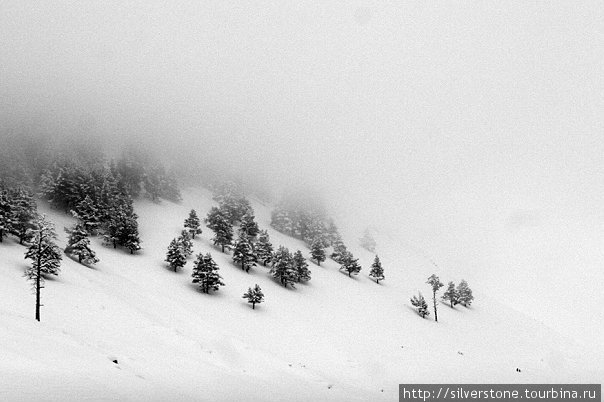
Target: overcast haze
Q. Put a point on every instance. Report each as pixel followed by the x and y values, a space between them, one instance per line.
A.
pixel 471 130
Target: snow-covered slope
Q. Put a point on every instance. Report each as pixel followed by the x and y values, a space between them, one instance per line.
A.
pixel 335 338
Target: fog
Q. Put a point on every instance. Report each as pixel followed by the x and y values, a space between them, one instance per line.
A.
pixel 470 130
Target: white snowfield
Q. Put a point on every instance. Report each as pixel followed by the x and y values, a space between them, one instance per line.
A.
pixel 333 339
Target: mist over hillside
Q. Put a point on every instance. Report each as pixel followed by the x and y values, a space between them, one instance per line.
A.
pixel 468 133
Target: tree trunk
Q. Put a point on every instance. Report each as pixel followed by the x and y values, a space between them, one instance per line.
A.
pixel 253 306
pixel 38 274
pixel 223 248
pixel 435 314
pixel 80 258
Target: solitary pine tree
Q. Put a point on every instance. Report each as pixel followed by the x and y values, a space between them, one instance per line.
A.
pixel 254 296
pixel 176 256
pixel 45 256
pixel 451 294
pixel 78 244
pixel 223 232
pixel 436 284
pixel 302 271
pixel 421 305
pixel 192 223
pixel 185 242
pixel 350 264
pixel 465 293
pixel 317 251
pixel 264 248
pixel 377 271
pixel 243 253
pixel 205 273
pixel 283 267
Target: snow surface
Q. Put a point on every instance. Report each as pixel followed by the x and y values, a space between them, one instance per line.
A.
pixel 335 338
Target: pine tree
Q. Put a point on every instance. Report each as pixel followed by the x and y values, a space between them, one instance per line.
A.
pixel 339 251
pixel 243 253
pixel 451 294
pixel 465 293
pixel 176 256
pixel 213 218
pixel 186 243
pixel 421 305
pixel 436 284
pixel 24 213
pixel 264 248
pixel 317 251
pixel 283 267
pixel 121 228
pixel 377 271
pixel 88 213
pixel 129 237
pixel 254 296
pixel 303 273
pixel 205 273
pixel 45 256
pixel 223 232
pixel 192 223
pixel 78 244
pixel 367 241
pixel 248 226
pixel 350 264
pixel 6 222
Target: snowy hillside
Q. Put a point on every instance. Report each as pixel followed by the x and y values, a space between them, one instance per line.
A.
pixel 334 338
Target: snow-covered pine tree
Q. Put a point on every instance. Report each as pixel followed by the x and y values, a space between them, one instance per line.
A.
pixel 464 293
pixel 264 248
pixel 248 226
pixel 243 253
pixel 211 220
pixel 350 264
pixel 451 294
pixel 23 214
pixel 281 220
pixel 186 243
pixel 317 251
pixel 367 241
pixel 339 251
pixel 205 273
pixel 176 256
pixel 223 232
pixel 192 223
pixel 283 267
pixel 436 284
pixel 302 271
pixel 377 271
pixel 130 237
pixel 421 305
pixel 44 254
pixel 254 296
pixel 6 223
pixel 78 244
pixel 88 213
